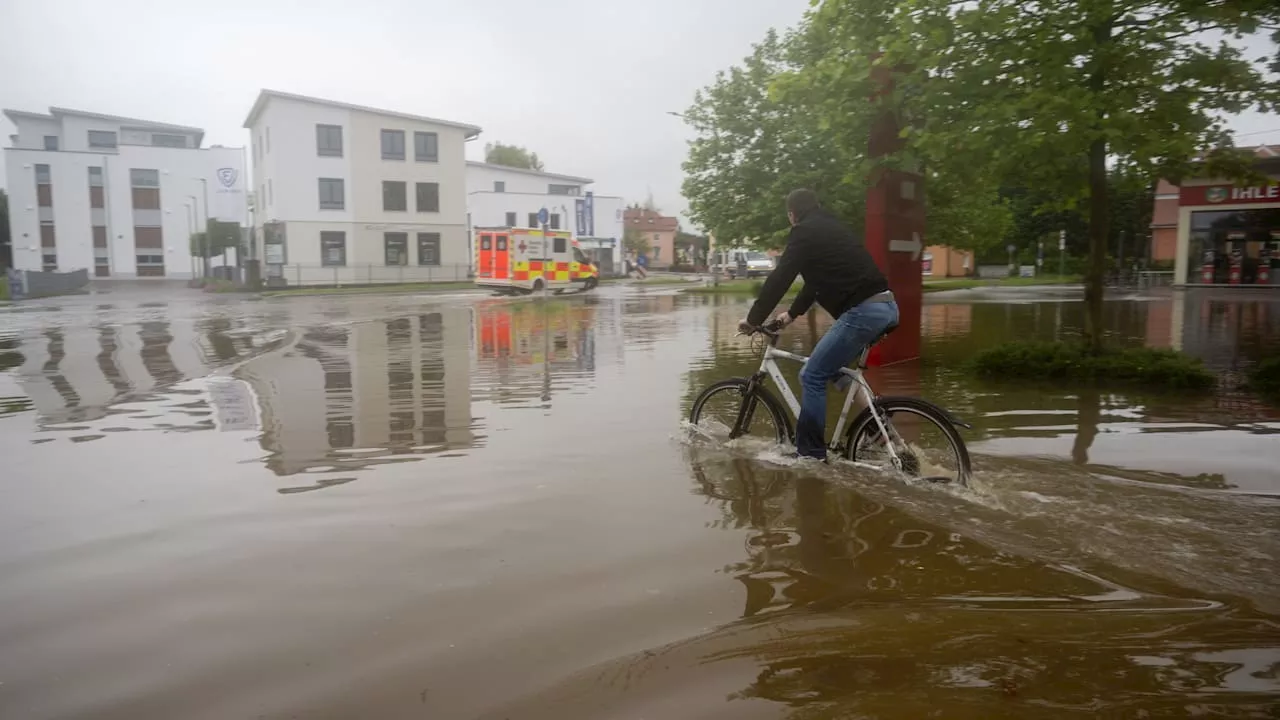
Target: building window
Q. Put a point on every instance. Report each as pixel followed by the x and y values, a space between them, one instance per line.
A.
pixel 148 237
pixel 150 265
pixel 329 140
pixel 166 140
pixel 396 245
pixel 392 144
pixel 44 186
pixel 333 249
pixel 49 262
pixel 102 139
pixel 47 237
pixel 145 198
pixel 426 147
pixel 555 221
pixel 95 177
pixel 428 197
pixel 533 220
pixel 50 142
pixel 511 219
pixel 144 178
pixel 332 194
pixel 43 175
pixel 562 189
pixel 99 236
pixel 428 248
pixel 558 244
pixel 394 197
pixel 499 186
pixel 657 253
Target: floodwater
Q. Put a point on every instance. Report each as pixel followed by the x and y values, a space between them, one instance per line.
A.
pixel 460 507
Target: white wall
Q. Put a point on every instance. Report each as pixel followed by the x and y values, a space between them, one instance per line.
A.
pixel 72 215
pixel 31 132
pixel 480 178
pixel 288 175
pixel 489 209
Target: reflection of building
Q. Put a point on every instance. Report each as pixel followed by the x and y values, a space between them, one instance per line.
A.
pixel 400 385
pixel 113 195
pixel 946 319
pixel 1221 233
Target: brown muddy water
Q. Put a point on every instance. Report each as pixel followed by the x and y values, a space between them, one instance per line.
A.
pixel 460 507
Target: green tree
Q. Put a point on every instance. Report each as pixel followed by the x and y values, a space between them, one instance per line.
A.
pixel 636 242
pixel 511 156
pixel 1050 95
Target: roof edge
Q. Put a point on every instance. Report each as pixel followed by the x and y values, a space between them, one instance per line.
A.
pixel 525 171
pixel 266 94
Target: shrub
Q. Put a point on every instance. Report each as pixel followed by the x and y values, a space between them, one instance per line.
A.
pixel 1150 367
pixel 215 285
pixel 1265 378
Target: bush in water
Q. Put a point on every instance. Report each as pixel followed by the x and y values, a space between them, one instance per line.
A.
pixel 1150 367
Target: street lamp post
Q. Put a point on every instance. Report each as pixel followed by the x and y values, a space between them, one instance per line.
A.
pixel 711 237
pixel 196 204
pixel 191 229
pixel 204 246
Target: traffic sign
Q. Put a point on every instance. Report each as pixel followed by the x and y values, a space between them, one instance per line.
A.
pixel 543 217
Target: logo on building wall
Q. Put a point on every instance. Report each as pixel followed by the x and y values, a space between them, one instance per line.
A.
pixel 227 176
pixel 1215 194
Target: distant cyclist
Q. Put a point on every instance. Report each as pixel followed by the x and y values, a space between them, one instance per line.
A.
pixel 842 277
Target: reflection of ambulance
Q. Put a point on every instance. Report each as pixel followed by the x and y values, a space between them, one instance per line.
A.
pixel 516 333
pixel 521 261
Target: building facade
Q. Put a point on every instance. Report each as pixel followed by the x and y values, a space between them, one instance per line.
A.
pixel 352 194
pixel 116 196
pixel 500 196
pixel 658 230
pixel 1222 233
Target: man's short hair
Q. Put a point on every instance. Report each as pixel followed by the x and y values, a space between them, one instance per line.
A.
pixel 800 202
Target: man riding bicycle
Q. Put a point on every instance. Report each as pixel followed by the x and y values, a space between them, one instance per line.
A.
pixel 842 277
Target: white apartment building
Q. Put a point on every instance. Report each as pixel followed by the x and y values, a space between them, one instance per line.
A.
pixel 114 195
pixel 352 194
pixel 500 196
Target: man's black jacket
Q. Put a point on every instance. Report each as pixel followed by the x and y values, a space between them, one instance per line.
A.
pixel 838 271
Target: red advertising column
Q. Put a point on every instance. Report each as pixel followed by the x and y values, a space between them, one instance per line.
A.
pixel 895 230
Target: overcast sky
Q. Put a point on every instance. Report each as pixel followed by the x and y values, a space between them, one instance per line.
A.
pixel 584 83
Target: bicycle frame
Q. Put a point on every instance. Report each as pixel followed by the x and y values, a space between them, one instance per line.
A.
pixel 858 385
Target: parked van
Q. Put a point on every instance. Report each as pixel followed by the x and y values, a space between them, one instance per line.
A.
pixel 758 264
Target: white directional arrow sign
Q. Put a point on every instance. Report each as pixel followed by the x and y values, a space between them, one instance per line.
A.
pixel 912 246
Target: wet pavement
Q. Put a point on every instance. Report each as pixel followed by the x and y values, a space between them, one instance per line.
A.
pixel 456 506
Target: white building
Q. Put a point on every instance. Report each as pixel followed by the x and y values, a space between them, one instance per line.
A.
pixel 114 195
pixel 353 194
pixel 500 196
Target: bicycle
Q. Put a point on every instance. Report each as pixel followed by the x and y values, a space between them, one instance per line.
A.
pixel 864 438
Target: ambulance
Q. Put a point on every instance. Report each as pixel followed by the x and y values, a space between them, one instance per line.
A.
pixel 521 261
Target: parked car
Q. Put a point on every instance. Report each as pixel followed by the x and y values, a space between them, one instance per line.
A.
pixel 736 261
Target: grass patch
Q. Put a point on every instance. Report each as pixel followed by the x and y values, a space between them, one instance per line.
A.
pixel 748 288
pixel 969 283
pixel 4 287
pixel 1264 379
pixel 1146 367
pixel 373 289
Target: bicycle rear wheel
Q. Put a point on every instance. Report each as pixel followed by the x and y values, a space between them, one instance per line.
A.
pixel 928 445
pixel 730 409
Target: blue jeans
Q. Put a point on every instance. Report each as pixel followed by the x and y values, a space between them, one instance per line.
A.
pixel 842 344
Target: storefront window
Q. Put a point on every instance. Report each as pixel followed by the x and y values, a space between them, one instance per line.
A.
pixel 1228 247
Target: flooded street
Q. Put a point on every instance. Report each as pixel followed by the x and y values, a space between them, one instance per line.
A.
pixel 457 506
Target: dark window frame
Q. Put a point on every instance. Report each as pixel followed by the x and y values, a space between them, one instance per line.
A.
pixel 51 146
pixel 325 147
pixel 426 146
pixel 330 203
pixel 327 240
pixel 511 219
pixel 402 240
pixel 433 197
pixel 389 188
pixel 102 135
pixel 429 240
pixel 392 144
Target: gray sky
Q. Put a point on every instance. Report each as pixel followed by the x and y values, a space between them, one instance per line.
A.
pixel 584 83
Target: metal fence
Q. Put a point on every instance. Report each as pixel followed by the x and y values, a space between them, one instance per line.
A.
pixel 303 275
pixel 34 283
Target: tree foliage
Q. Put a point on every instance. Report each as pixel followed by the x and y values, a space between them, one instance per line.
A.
pixel 222 236
pixel 635 241
pixel 511 156
pixel 1057 98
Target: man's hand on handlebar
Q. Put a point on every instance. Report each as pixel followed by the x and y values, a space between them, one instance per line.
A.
pixel 772 327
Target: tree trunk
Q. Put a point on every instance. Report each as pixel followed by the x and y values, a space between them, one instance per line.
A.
pixel 1094 277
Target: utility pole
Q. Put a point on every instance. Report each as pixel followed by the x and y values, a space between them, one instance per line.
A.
pixel 195 204
pixel 1062 252
pixel 204 247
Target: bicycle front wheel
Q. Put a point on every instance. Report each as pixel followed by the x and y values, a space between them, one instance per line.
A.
pixel 730 409
pixel 928 446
